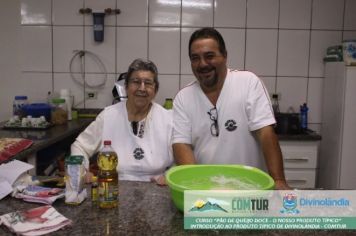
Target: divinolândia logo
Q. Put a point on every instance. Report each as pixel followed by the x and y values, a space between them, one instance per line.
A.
pixel 290 203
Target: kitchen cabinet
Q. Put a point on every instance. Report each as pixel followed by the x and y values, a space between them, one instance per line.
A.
pixel 300 162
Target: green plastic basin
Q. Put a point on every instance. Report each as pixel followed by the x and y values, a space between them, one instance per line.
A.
pixel 214 177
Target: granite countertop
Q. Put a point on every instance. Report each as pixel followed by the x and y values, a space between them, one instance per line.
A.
pixel 144 209
pixel 308 135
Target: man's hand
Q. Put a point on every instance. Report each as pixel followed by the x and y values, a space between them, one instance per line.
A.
pixel 281 185
pixel 183 154
pixel 273 156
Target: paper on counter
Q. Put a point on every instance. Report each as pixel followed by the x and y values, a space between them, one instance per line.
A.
pixel 9 173
pixel 5 188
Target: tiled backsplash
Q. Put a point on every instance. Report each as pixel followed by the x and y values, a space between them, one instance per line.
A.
pixel 282 41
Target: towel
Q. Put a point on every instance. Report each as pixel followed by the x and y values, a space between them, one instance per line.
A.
pixel 11 146
pixel 36 221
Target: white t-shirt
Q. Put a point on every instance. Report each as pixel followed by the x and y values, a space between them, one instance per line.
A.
pixel 243 106
pixel 140 158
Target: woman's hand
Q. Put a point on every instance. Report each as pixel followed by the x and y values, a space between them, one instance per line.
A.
pixel 159 180
pixel 88 177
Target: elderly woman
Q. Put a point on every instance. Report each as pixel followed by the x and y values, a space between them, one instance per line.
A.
pixel 139 129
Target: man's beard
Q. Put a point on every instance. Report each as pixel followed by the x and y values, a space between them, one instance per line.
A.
pixel 208 82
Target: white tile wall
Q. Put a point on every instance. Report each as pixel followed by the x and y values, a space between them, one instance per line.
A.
pixel 347 35
pixel 283 41
pixel 163 49
pixel 66 12
pixel 293 53
pixel 328 14
pixel 295 14
pixel 261 51
pixel 127 52
pixel 133 13
pixel 230 13
pixel 36 48
pixel 262 14
pixel 63 49
pixel 196 13
pixel 235 45
pixel 164 13
pixel 185 63
pixel 350 16
pixel 35 12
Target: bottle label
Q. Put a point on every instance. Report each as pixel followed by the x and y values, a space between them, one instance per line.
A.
pixel 108 191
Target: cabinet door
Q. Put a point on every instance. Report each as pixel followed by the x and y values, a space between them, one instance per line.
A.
pixel 300 178
pixel 299 154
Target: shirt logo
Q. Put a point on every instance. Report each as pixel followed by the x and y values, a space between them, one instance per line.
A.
pixel 230 125
pixel 138 153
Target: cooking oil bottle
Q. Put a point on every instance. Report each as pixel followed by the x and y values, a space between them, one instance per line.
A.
pixel 108 177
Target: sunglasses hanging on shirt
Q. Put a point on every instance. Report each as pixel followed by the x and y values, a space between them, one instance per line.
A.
pixel 214 128
pixel 138 128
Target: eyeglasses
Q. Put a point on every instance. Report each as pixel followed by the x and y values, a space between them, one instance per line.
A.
pixel 214 128
pixel 147 83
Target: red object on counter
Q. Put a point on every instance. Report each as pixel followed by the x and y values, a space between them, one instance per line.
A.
pixel 11 146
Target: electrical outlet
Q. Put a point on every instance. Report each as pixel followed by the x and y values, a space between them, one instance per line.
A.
pixel 278 95
pixel 91 95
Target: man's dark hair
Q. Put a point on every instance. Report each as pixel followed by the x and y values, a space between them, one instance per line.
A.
pixel 208 32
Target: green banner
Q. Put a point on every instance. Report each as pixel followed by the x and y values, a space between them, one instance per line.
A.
pixel 263 223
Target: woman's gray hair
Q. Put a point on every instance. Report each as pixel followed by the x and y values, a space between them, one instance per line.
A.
pixel 145 65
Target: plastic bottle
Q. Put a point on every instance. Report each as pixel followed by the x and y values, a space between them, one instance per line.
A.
pixel 65 94
pixel 275 104
pixel 168 104
pixel 108 176
pixel 304 116
pixel 18 104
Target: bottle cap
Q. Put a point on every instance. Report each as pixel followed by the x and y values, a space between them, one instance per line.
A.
pixel 20 97
pixel 107 142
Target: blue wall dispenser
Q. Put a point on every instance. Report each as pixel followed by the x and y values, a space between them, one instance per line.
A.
pixel 98 26
pixel 98 21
